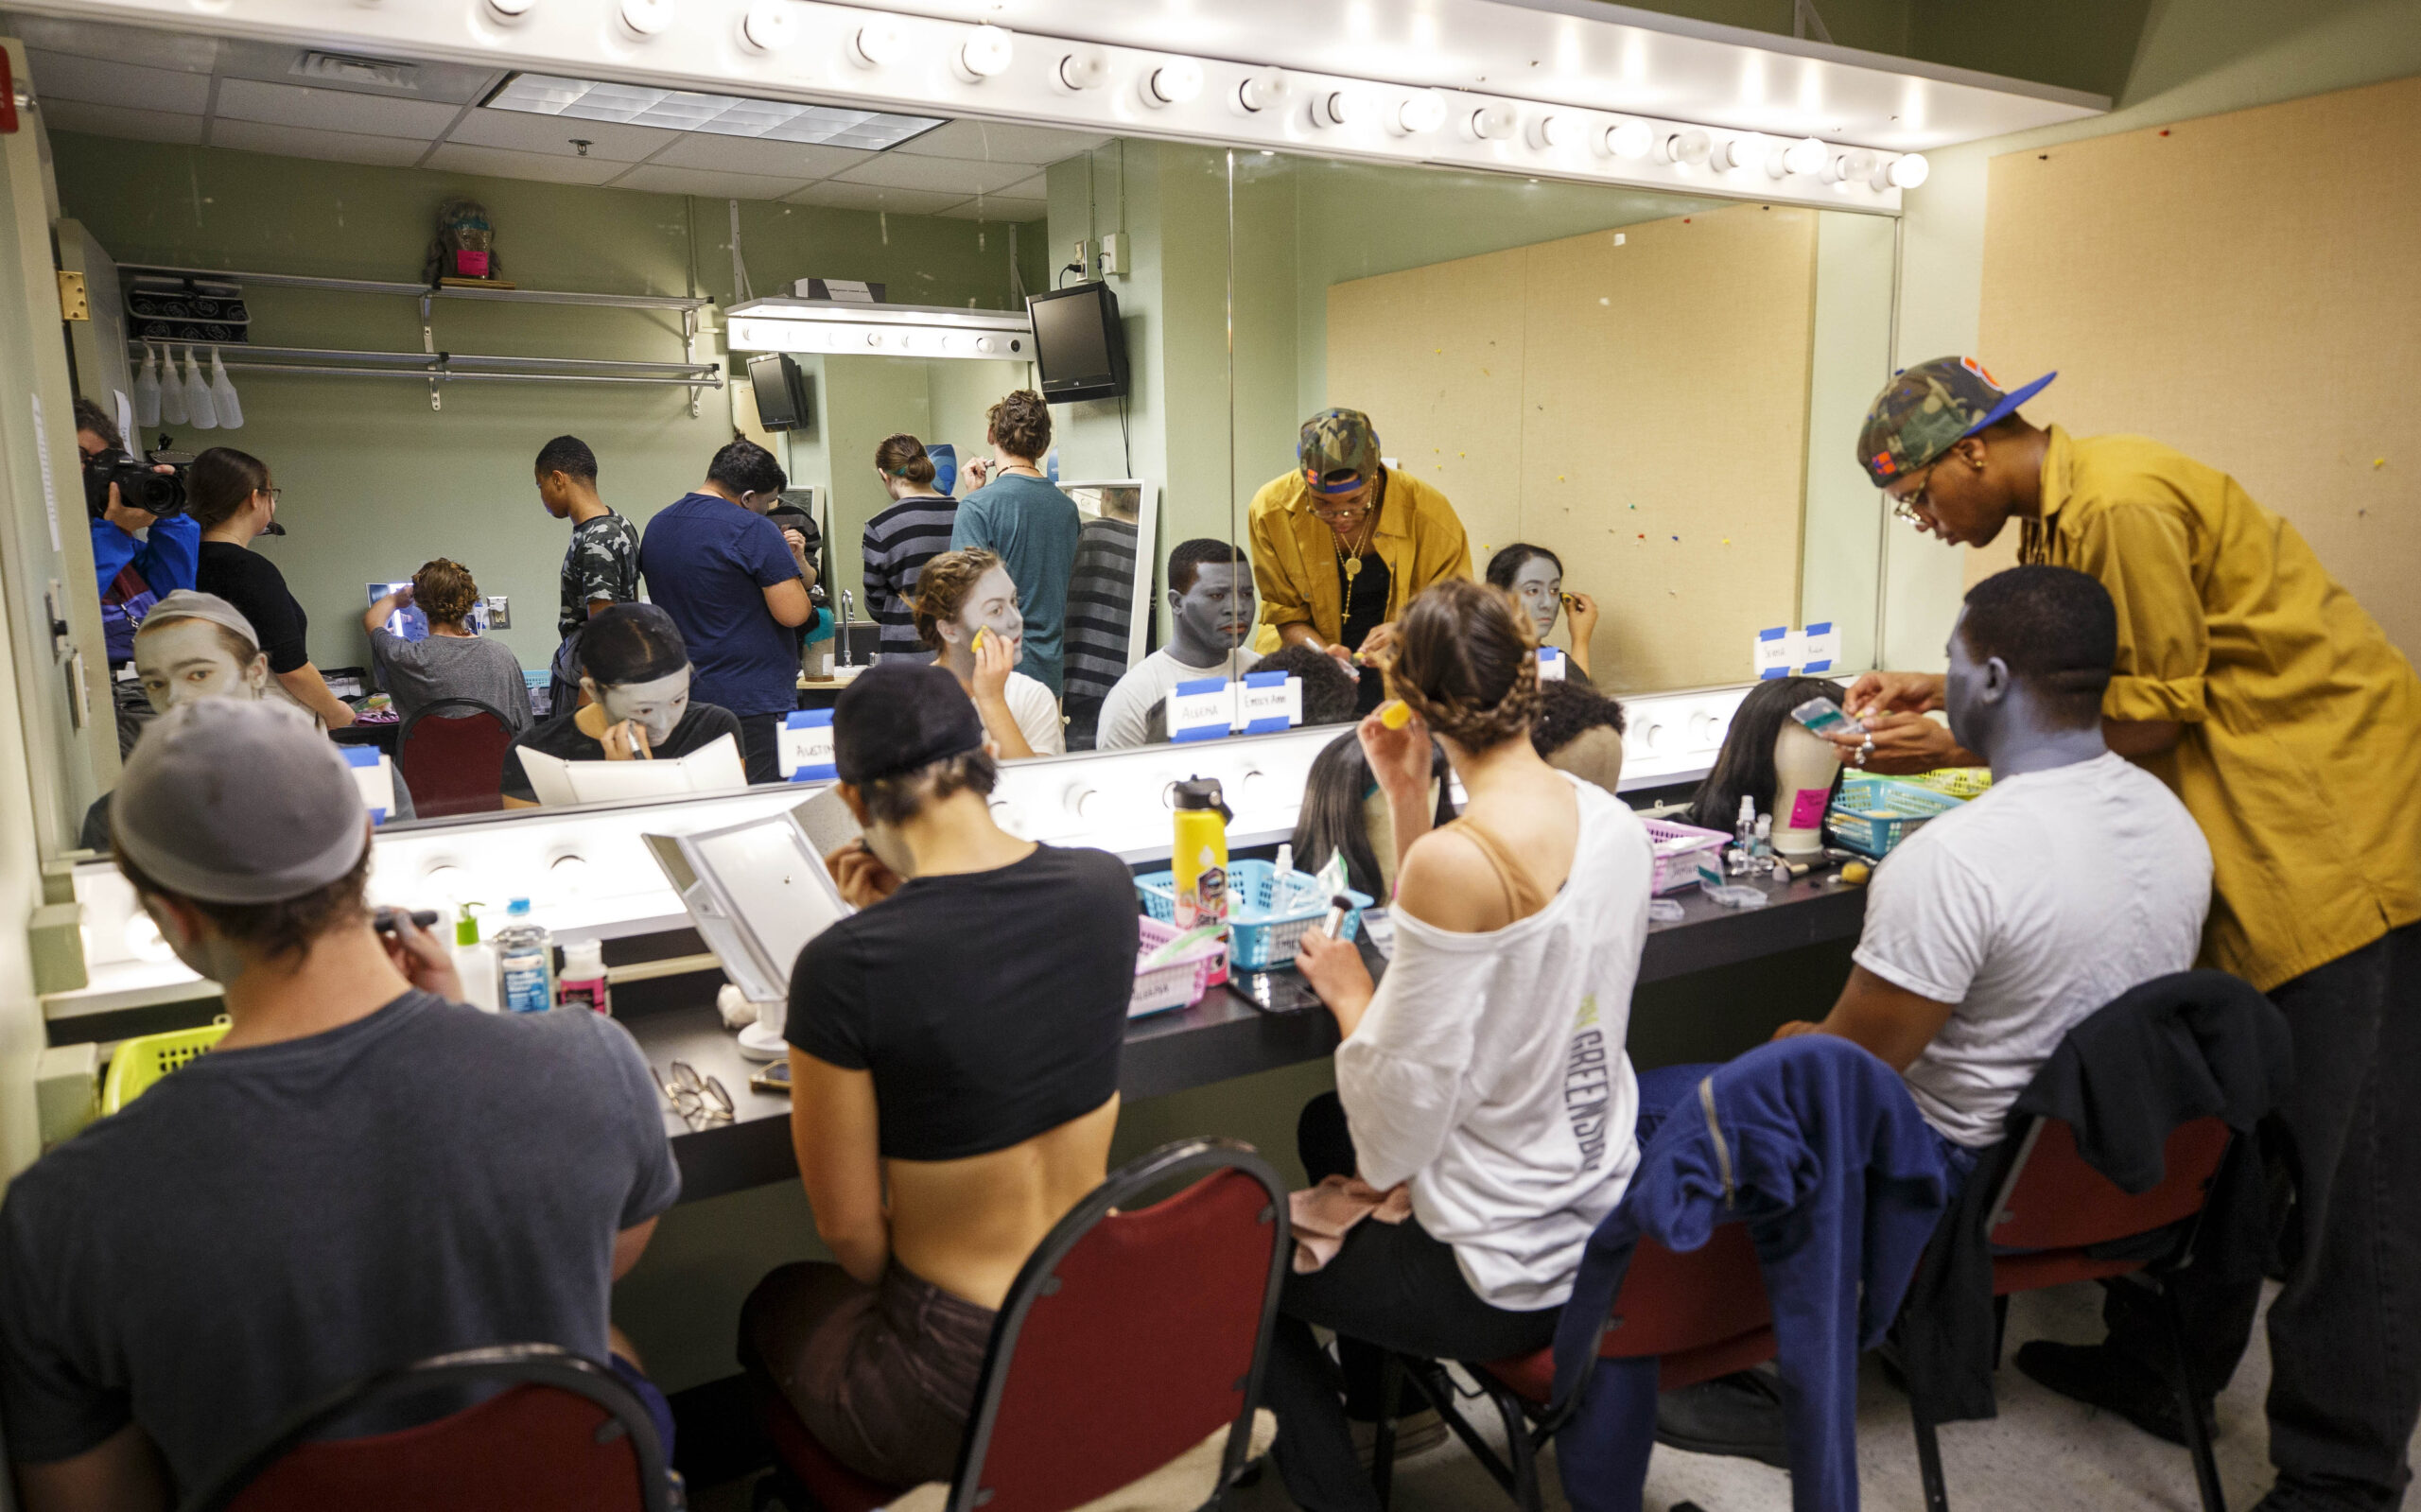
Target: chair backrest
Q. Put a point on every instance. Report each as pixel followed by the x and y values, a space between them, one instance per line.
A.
pixel 2052 1200
pixel 1672 1303
pixel 1130 1337
pixel 564 1432
pixel 451 753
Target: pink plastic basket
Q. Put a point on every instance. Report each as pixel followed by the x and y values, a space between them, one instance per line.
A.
pixel 1677 848
pixel 1177 984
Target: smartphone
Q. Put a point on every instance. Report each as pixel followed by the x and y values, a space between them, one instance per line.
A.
pixel 774 1078
pixel 1824 717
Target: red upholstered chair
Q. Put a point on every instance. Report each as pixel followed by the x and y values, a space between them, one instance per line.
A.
pixel 1700 1315
pixel 451 753
pixel 1129 1338
pixel 564 1432
pixel 2052 1207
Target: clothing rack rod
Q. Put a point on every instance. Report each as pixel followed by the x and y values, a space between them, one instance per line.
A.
pixel 376 285
pixel 453 376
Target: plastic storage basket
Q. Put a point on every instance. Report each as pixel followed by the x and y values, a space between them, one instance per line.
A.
pixel 1959 782
pixel 1677 848
pixel 1257 938
pixel 1872 814
pixel 1177 984
pixel 146 1058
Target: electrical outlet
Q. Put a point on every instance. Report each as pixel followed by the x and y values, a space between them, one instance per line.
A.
pixel 1083 265
pixel 499 612
pixel 1114 255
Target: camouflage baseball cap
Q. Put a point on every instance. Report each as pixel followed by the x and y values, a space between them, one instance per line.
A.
pixel 1338 441
pixel 1927 408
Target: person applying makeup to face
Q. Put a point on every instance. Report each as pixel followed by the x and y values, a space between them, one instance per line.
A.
pixel 1534 576
pixel 967 611
pixel 634 668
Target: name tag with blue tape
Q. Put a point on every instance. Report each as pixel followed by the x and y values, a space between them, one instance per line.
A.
pixel 1823 647
pixel 1202 709
pixel 803 747
pixel 1552 664
pixel 374 777
pixel 1772 653
pixel 1269 702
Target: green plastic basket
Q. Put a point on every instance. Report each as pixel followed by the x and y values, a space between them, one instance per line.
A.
pixel 1959 782
pixel 146 1058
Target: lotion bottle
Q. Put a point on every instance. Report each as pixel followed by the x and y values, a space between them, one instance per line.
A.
pixel 474 963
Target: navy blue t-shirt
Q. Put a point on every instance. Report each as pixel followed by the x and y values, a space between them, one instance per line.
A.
pixel 708 563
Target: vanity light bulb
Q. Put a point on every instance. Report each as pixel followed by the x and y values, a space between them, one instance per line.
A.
pixel 1806 155
pixel 1909 171
pixel 1335 108
pixel 1495 123
pixel 1086 68
pixel 1849 167
pixel 1690 150
pixel 985 54
pixel 509 10
pixel 1263 89
pixel 1419 115
pixel 770 24
pixel 1175 83
pixel 1551 132
pixel 1632 140
pixel 1733 152
pixel 646 18
pixel 876 44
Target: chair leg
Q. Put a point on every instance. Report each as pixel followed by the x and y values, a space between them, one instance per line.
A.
pixel 1930 1459
pixel 1430 1379
pixel 2198 1435
pixel 1383 1444
pixel 1519 1448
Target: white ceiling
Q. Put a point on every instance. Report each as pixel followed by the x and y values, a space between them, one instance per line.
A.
pixel 155 86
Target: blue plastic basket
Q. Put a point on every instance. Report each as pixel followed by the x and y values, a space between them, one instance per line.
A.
pixel 1258 939
pixel 1869 815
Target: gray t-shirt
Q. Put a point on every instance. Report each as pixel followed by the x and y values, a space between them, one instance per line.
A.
pixel 266 1225
pixel 418 673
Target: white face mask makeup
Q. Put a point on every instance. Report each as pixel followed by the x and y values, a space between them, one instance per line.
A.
pixel 181 660
pixel 992 605
pixel 655 706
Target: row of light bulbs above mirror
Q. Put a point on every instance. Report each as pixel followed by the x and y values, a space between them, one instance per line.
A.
pixel 985 51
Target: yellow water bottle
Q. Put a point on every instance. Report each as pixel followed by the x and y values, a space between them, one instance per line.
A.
pixel 1199 860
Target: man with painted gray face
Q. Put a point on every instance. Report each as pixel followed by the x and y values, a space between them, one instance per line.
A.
pixel 195 646
pixel 635 670
pixel 1212 608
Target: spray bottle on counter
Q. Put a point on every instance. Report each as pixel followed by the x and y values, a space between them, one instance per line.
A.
pixel 1744 837
pixel 1199 860
pixel 526 960
pixel 475 963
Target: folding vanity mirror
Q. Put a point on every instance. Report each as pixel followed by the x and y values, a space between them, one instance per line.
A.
pixel 758 892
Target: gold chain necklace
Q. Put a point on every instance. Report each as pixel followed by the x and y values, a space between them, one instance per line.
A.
pixel 1352 563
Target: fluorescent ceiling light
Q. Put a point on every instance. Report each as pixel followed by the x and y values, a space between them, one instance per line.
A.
pixel 679 110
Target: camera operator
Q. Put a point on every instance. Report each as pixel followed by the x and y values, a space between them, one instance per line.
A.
pixel 138 556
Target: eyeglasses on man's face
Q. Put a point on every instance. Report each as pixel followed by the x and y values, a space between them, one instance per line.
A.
pixel 1904 506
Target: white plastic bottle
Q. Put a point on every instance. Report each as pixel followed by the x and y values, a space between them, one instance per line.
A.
pixel 583 977
pixel 525 961
pixel 474 963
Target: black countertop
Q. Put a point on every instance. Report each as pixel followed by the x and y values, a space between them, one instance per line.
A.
pixel 1221 1036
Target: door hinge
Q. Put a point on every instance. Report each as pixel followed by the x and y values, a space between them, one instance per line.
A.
pixel 74 303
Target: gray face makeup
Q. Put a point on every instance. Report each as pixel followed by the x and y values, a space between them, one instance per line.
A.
pixel 1215 615
pixel 992 605
pixel 655 706
pixel 182 660
pixel 1538 586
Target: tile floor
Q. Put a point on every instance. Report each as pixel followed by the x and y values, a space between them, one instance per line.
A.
pixel 2043 1451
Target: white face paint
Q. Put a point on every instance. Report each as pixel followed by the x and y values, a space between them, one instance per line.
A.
pixel 655 706
pixel 992 605
pixel 1538 585
pixel 181 660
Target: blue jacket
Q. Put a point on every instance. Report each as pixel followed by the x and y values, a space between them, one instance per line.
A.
pixel 165 563
pixel 1815 1146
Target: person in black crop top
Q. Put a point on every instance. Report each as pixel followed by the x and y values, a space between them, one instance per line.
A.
pixel 955 1044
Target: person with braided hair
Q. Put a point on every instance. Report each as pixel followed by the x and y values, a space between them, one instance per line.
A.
pixel 1484 1105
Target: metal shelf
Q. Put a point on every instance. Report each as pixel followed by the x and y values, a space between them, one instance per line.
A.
pixel 438 366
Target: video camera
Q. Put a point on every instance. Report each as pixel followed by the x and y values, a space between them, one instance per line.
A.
pixel 139 485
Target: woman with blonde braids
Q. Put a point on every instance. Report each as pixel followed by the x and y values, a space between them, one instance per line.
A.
pixel 1484 1101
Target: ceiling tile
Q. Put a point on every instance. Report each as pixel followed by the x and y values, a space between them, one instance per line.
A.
pixel 992 142
pixel 940 175
pixel 457 157
pixel 332 110
pixel 838 195
pixel 63 76
pixel 739 154
pixel 140 45
pixel 110 120
pixel 298 142
pixel 521 132
pixel 999 210
pixel 705 185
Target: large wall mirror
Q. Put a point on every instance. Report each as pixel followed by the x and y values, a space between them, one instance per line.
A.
pixel 1659 391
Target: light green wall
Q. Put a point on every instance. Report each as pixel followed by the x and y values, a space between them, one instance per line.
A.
pixel 2198 58
pixel 374 483
pixel 1849 359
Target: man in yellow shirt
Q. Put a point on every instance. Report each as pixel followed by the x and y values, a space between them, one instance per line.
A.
pixel 2259 689
pixel 1340 545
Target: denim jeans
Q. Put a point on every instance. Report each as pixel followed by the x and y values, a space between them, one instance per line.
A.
pixel 2345 1334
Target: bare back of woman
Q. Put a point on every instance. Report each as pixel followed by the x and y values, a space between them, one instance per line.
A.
pixel 967 1225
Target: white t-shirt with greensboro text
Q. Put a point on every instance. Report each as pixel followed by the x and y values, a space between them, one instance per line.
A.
pixel 1036 710
pixel 1490 1071
pixel 1126 713
pixel 2031 908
